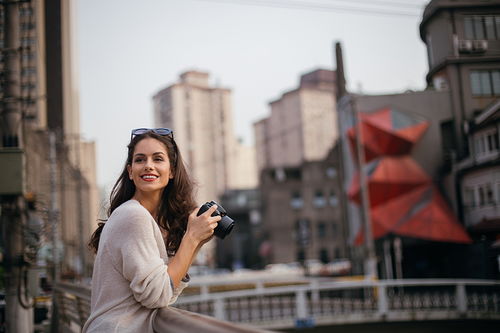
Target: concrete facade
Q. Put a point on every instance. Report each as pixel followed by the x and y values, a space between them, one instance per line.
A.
pixel 202 120
pixel 302 216
pixel 463 43
pixel 302 126
pixel 431 106
pixel 49 97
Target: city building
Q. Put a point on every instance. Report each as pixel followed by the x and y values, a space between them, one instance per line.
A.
pixel 301 214
pixel 302 126
pixel 49 104
pixel 202 119
pixel 240 249
pixel 432 109
pixel 458 150
pixel 463 47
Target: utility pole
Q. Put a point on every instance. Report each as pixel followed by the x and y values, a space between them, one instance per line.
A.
pixel 54 214
pixel 80 184
pixel 340 92
pixel 370 258
pixel 18 311
pixel 346 101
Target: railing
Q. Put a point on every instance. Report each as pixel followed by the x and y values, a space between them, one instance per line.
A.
pixel 73 306
pixel 327 303
pixel 331 303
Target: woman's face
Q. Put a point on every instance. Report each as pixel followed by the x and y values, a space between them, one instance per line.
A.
pixel 150 170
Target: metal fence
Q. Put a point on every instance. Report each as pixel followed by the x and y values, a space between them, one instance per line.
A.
pixel 326 303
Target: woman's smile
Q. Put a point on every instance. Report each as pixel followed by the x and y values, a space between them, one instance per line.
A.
pixel 149 177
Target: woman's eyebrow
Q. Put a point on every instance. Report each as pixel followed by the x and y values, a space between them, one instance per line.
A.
pixel 157 153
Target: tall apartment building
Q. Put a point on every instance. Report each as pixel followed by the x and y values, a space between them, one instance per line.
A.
pixel 302 125
pixel 463 47
pixel 32 57
pixel 202 119
pixel 297 165
pixel 49 103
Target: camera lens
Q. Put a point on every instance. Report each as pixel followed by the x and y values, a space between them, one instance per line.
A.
pixel 224 227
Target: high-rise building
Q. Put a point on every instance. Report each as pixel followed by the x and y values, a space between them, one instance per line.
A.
pixel 49 103
pixel 463 48
pixel 32 60
pixel 463 44
pixel 202 120
pixel 302 126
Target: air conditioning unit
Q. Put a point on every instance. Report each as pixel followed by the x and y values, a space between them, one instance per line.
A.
pixel 465 46
pixel 479 46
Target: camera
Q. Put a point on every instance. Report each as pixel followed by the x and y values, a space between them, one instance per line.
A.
pixel 226 223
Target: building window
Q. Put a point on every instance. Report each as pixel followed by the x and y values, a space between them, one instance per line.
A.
pixel 323 256
pixel 334 229
pixel 321 230
pixel 469 199
pixel 332 199
pixel 296 200
pixel 27 41
pixel 25 11
pixel 485 195
pixel 331 172
pixel 319 199
pixel 482 27
pixel 486 143
pixel 28 71
pixel 430 50
pixel 302 232
pixel 485 83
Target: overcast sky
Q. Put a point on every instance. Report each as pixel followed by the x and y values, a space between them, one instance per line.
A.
pixel 128 50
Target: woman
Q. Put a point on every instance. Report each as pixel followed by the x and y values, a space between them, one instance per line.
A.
pixel 148 243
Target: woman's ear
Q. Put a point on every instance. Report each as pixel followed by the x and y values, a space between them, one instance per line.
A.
pixel 129 169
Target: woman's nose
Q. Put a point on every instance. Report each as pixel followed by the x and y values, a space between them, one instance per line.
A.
pixel 149 164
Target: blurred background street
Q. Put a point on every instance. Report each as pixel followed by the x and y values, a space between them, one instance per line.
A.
pixel 355 144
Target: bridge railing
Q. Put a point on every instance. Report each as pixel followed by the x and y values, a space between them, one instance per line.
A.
pixel 352 302
pixel 326 303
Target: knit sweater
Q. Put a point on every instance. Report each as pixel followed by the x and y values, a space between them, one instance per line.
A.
pixel 130 280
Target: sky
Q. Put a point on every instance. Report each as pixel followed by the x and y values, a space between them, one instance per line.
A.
pixel 126 51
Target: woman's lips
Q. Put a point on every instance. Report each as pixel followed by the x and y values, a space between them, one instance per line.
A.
pixel 149 178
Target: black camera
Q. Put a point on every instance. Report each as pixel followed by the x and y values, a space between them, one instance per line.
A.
pixel 225 225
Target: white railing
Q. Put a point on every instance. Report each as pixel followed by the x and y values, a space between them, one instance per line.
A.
pixel 329 303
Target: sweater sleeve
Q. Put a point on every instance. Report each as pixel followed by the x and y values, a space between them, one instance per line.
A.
pixel 141 261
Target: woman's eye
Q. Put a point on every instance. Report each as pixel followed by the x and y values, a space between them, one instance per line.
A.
pixel 137 160
pixel 158 159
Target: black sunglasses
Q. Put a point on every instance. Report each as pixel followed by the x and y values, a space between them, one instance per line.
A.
pixel 159 131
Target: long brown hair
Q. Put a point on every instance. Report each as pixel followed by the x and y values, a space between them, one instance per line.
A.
pixel 177 200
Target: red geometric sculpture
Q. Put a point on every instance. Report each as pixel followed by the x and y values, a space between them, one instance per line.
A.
pixel 403 200
pixel 388 178
pixel 387 132
pixel 421 213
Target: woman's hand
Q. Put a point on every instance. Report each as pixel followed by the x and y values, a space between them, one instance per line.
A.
pixel 201 228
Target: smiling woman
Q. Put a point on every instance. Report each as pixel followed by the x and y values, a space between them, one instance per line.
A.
pixel 148 243
pixel 150 170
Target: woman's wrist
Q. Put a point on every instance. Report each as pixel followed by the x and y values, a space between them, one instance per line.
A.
pixel 191 240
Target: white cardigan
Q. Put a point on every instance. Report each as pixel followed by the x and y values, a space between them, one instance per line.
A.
pixel 130 279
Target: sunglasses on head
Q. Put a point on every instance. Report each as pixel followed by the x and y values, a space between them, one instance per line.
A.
pixel 159 131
